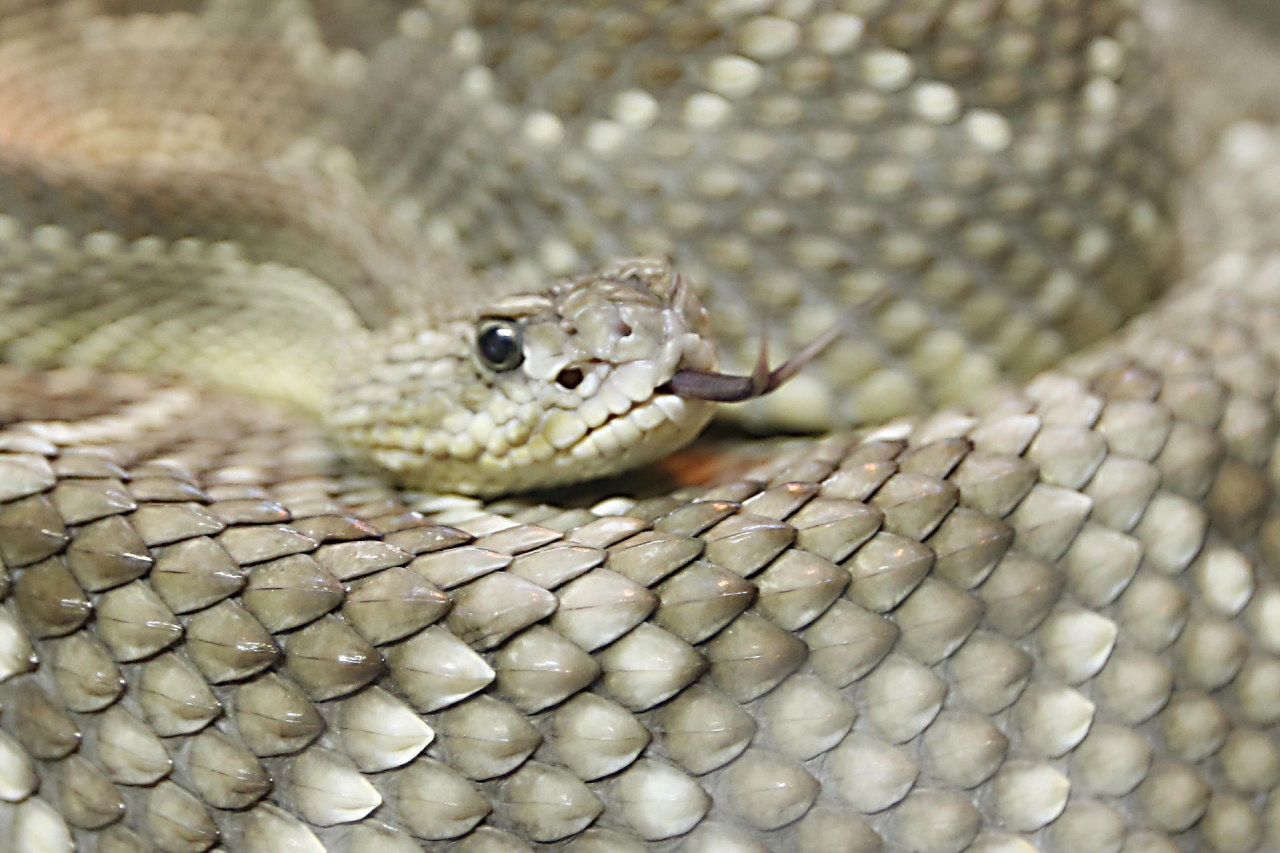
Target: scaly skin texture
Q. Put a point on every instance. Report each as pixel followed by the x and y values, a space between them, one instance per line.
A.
pixel 1048 620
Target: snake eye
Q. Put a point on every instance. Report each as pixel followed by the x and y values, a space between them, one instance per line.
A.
pixel 500 344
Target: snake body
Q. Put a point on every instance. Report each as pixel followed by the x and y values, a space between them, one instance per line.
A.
pixel 1040 618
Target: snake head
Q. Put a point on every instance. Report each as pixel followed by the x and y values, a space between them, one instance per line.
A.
pixel 534 389
pixel 590 377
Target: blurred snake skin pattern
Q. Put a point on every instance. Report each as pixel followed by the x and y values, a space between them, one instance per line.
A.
pixel 1003 618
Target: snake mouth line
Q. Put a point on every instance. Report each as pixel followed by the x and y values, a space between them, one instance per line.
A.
pixel 623 431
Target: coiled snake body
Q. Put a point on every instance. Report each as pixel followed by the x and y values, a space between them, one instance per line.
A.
pixel 1039 618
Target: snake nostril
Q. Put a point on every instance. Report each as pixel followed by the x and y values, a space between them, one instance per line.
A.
pixel 569 378
pixel 624 329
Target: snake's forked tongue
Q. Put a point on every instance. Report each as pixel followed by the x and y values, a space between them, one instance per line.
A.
pixel 726 388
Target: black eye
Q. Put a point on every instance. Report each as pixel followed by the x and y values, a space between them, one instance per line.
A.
pixel 500 344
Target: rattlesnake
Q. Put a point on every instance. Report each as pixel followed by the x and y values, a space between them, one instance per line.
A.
pixel 1038 617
